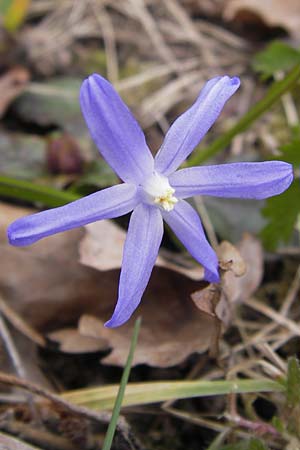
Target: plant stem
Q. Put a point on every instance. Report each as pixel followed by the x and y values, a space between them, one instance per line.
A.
pixel 119 399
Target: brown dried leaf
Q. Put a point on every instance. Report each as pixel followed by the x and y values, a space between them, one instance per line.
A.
pixel 274 13
pixel 240 288
pixel 166 313
pixel 207 300
pixel 12 83
pixel 71 341
pixel 102 249
pixel 243 271
pixel 46 284
pixel 231 259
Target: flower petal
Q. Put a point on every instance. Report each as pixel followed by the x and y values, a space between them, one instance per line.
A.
pixel 115 131
pixel 106 204
pixel 187 226
pixel 240 180
pixel 141 248
pixel 187 131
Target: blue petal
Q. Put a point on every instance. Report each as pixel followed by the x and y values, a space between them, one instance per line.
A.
pixel 141 248
pixel 106 204
pixel 114 130
pixel 186 224
pixel 240 180
pixel 187 131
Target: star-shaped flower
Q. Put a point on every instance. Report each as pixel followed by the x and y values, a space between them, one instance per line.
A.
pixel 152 188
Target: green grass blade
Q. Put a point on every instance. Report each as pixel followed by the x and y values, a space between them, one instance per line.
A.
pixel 120 395
pixel 103 398
pixel 26 190
pixel 273 95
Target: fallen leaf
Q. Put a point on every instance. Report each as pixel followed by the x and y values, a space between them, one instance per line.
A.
pixel 12 83
pixel 172 327
pixel 47 285
pixel 240 288
pixel 274 13
pixel 71 341
pixel 242 273
pixel 207 300
pixel 231 259
pixel 102 249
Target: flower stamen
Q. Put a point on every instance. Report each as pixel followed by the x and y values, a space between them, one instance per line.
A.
pixel 167 201
pixel 159 192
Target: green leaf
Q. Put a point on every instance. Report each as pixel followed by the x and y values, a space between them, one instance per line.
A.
pixel 13 13
pixel 278 424
pixel 256 444
pixel 282 212
pixel 103 397
pixel 293 382
pixel 252 444
pixel 54 102
pixel 277 56
pixel 291 153
pixel 231 217
pixel 32 192
pixel 22 155
pixel 98 173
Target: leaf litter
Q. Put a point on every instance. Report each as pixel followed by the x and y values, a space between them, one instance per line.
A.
pixel 66 301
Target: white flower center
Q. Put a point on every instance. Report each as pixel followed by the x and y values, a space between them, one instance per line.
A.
pixel 159 191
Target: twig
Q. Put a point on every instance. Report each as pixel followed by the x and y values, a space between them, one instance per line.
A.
pixel 288 104
pixel 138 9
pixel 21 325
pixel 36 435
pixel 11 380
pixel 273 315
pixel 190 31
pixel 292 293
pixel 109 41
pixel 207 223
pixel 11 349
pixel 256 427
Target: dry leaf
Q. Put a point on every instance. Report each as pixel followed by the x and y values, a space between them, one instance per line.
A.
pixel 46 284
pixel 231 259
pixel 240 288
pixel 102 249
pixel 243 271
pixel 71 341
pixel 274 13
pixel 207 300
pixel 12 83
pixel 172 327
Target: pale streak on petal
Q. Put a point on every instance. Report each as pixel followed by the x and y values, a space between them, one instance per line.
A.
pixel 188 130
pixel 239 180
pixel 114 130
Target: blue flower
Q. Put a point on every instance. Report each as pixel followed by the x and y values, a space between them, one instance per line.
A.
pixel 152 188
